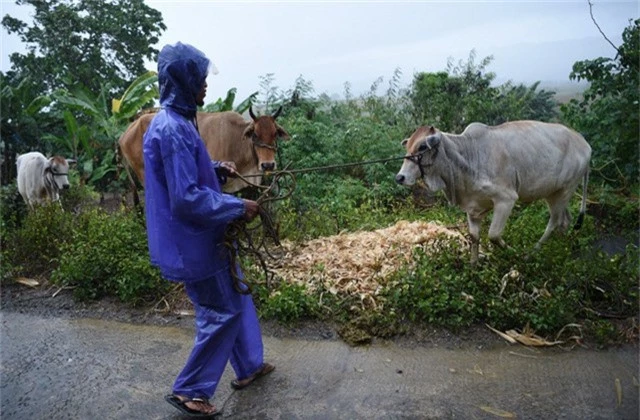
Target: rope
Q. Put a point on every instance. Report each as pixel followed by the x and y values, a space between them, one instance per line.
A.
pixel 240 235
pixel 321 168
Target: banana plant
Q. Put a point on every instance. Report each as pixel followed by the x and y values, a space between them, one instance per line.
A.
pixel 142 92
pixel 92 139
pixel 226 104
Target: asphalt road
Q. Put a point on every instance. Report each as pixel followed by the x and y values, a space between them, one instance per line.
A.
pixel 59 368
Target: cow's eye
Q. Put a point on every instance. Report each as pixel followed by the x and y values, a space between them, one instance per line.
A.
pixel 422 147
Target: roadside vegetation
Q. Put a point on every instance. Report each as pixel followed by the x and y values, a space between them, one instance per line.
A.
pixel 583 284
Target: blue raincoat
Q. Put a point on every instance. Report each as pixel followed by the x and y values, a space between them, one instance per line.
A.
pixel 186 216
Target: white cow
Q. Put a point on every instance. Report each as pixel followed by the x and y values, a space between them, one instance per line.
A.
pixel 488 168
pixel 41 179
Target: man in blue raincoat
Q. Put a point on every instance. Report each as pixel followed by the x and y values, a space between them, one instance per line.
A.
pixel 186 215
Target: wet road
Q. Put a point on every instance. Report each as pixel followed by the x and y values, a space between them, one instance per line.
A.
pixel 89 369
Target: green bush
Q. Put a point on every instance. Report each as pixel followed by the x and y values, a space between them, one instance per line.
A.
pixel 12 208
pixel 33 248
pixel 288 303
pixel 564 282
pixel 78 195
pixel 108 256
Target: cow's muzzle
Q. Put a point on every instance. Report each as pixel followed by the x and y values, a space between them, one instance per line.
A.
pixel 268 166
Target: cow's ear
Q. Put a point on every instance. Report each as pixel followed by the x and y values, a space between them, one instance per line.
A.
pixel 248 132
pixel 71 161
pixel 281 132
pixel 404 142
pixel 434 140
pixel 431 130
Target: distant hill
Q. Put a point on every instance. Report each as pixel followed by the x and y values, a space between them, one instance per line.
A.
pixel 565 90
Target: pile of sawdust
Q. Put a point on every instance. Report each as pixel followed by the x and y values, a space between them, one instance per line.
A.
pixel 357 263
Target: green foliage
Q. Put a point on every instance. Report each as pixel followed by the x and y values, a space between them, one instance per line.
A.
pixel 107 255
pixel 78 196
pixel 22 123
pixel 464 94
pixel 33 248
pixel 519 102
pixel 12 207
pixel 603 332
pixel 565 282
pixel 288 303
pixel 13 210
pixel 105 42
pixel 141 93
pixel 607 114
pixel 226 104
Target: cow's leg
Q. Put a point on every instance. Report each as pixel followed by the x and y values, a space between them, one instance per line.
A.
pixel 25 197
pixel 558 215
pixel 475 222
pixel 501 212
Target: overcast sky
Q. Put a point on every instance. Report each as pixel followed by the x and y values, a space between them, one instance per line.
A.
pixel 333 42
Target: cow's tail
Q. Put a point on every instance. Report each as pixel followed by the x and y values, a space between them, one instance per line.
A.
pixel 583 206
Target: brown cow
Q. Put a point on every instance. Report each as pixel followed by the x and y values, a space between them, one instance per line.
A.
pixel 251 145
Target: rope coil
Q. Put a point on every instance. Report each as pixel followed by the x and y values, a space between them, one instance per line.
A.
pixel 240 237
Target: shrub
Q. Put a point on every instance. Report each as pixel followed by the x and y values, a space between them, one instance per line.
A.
pixel 565 282
pixel 36 244
pixel 108 256
pixel 288 303
pixel 12 207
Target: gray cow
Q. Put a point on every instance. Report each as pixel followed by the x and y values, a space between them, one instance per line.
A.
pixel 488 168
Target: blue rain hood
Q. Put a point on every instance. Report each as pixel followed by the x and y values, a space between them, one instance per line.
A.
pixel 182 71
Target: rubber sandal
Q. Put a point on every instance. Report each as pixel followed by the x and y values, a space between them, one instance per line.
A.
pixel 264 370
pixel 182 406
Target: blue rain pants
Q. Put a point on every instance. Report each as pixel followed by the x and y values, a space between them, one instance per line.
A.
pixel 227 329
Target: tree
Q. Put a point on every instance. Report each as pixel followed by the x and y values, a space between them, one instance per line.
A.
pixel 454 98
pixel 519 102
pixel 608 113
pixel 462 94
pixel 86 42
pixel 21 122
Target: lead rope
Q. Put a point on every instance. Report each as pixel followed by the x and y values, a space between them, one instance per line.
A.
pixel 241 236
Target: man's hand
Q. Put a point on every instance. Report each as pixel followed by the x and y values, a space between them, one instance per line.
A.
pixel 229 168
pixel 251 210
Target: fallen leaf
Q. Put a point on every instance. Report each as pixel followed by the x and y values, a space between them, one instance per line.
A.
pixel 28 282
pixel 619 391
pixel 531 339
pixel 498 412
pixel 501 334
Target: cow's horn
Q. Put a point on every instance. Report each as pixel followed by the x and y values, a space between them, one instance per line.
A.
pixel 275 114
pixel 433 141
pixel 251 114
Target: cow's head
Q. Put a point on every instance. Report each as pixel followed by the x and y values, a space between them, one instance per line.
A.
pixel 56 172
pixel 264 132
pixel 422 149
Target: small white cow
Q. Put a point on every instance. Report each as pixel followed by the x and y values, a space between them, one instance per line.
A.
pixel 41 179
pixel 488 168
